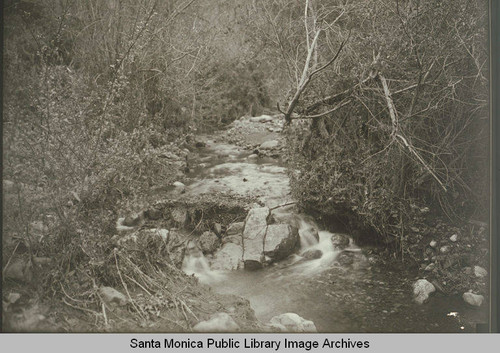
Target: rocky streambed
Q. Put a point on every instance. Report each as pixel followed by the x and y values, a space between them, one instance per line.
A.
pixel 296 276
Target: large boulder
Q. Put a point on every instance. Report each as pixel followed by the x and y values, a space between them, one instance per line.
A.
pixel 291 322
pixel 256 222
pixel 284 216
pixel 280 241
pixel 253 237
pixel 228 258
pixel 208 242
pixel 421 290
pixel 218 322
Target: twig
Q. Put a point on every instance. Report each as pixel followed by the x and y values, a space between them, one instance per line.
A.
pixel 283 205
pixel 8 261
pixel 126 289
pixel 104 313
pixel 82 309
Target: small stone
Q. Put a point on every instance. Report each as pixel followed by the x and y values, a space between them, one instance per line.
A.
pixel 454 237
pixel 218 228
pixel 312 254
pixel 480 272
pixel 153 214
pixel 473 299
pixel 340 241
pixel 252 156
pixel 421 290
pixel 179 215
pixel 219 322
pixel 433 244
pixel 133 220
pixel 291 322
pixel 444 249
pixel 110 295
pixel 269 145
pixel 179 187
pixel 13 297
pixel 208 242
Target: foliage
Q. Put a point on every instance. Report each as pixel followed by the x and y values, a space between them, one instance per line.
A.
pixel 381 167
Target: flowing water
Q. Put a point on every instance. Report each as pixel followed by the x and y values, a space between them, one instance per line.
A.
pixel 341 291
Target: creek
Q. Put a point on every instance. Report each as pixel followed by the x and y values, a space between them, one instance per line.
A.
pixel 341 291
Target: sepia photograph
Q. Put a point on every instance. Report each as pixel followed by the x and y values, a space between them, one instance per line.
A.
pixel 246 166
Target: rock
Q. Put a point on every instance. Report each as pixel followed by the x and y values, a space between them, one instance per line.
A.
pixel 228 258
pixel 433 244
pixel 153 214
pixel 284 216
pixel 421 290
pixel 312 254
pixel 454 237
pixel 253 156
pixel 480 272
pixel 340 241
pixel 269 145
pixel 444 249
pixel 291 322
pixel 179 215
pixel 280 241
pixel 256 221
pixel 218 228
pixel 179 187
pixel 235 228
pixel 253 237
pixel 19 270
pixel 162 233
pixel 200 144
pixel 261 119
pixel 13 297
pixel 218 322
pixel 473 299
pixel 208 242
pixel 345 258
pixel 120 228
pixel 111 296
pixel 133 220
